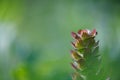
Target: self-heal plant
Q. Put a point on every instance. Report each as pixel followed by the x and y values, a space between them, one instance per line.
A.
pixel 85 55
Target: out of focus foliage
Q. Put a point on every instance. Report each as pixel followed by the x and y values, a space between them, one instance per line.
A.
pixel 35 36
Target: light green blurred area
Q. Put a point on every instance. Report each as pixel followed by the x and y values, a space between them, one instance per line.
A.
pixel 35 36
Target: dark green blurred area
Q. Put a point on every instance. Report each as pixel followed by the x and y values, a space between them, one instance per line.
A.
pixel 35 36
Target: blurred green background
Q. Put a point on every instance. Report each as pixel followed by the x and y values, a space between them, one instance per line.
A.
pixel 35 36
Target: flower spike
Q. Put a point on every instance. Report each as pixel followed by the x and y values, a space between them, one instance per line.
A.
pixel 85 51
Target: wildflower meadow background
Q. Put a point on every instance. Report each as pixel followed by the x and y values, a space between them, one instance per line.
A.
pixel 35 36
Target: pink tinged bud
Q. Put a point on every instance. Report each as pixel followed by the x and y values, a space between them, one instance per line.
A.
pixel 77 44
pixel 88 32
pixel 80 31
pixel 85 31
pixel 75 55
pixel 73 44
pixel 74 35
pixel 75 65
pixel 93 33
pixel 85 35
